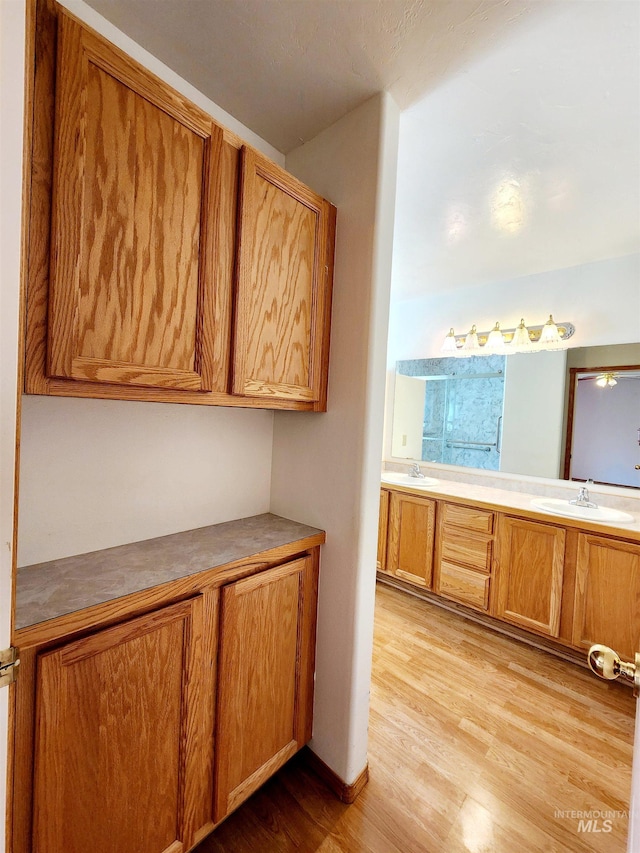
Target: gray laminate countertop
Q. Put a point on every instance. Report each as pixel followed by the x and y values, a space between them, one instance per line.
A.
pixel 47 590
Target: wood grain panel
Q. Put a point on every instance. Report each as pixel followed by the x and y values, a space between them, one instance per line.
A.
pixel 464 585
pixel 217 261
pixel 469 517
pixel 258 688
pixel 607 595
pixel 383 530
pixel 472 550
pixel 411 537
pixel 134 180
pixel 530 572
pixel 101 703
pixel 281 284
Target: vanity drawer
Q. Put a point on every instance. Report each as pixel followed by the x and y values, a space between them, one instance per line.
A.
pixel 468 517
pixel 464 585
pixel 471 549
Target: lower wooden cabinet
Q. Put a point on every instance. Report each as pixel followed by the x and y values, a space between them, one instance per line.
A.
pixel 607 595
pixel 464 555
pixel 121 746
pixel 411 538
pixel 571 585
pixel 383 525
pixel 265 680
pixel 530 570
pixel 147 733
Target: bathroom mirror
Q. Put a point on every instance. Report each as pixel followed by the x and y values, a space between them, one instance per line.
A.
pixel 545 414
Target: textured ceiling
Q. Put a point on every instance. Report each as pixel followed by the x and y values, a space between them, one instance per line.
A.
pixel 289 68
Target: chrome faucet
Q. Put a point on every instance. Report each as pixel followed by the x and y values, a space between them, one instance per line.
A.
pixel 415 471
pixel 583 498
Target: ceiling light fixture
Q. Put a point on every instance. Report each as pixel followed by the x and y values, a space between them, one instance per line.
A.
pixel 549 336
pixel 607 380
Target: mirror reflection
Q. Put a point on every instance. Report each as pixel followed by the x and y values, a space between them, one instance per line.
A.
pixel 570 414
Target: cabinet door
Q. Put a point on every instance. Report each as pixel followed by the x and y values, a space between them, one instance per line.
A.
pixel 411 538
pixel 383 530
pixel 123 738
pixel 136 177
pixel 265 684
pixel 530 570
pixel 283 288
pixel 607 596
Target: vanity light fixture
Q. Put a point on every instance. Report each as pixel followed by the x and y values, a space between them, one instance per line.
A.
pixel 495 341
pixel 549 336
pixel 471 345
pixel 450 345
pixel 521 342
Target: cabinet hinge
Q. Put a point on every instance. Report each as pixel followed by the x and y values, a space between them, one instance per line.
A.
pixel 9 663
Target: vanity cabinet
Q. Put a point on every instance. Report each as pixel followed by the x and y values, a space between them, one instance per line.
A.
pixel 123 740
pixel 464 555
pixel 411 538
pixel 607 595
pixel 529 576
pixel 168 260
pixel 559 581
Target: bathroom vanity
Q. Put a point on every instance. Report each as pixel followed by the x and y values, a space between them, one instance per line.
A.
pixel 564 583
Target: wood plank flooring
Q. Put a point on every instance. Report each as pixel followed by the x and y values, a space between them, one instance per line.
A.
pixel 478 744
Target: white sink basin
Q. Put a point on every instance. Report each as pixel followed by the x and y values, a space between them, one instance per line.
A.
pixel 405 480
pixel 556 506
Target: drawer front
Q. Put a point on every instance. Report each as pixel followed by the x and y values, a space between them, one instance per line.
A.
pixel 464 585
pixel 471 549
pixel 466 516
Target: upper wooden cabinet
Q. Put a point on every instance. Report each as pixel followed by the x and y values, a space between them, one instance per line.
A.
pixel 282 293
pixel 166 260
pixel 135 186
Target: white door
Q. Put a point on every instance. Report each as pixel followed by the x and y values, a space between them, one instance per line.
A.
pixel 12 31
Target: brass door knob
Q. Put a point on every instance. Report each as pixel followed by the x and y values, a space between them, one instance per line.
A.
pixel 637 467
pixel 607 664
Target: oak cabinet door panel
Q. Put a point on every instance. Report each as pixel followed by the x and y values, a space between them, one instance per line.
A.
pixel 265 682
pixel 607 596
pixel 283 287
pixel 411 538
pixel 119 743
pixel 530 572
pixel 135 182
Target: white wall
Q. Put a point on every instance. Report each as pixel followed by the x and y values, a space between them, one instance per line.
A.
pixel 97 473
pixel 326 468
pixel 532 439
pixel 11 117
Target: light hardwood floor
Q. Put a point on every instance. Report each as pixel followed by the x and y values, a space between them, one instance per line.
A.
pixel 477 743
